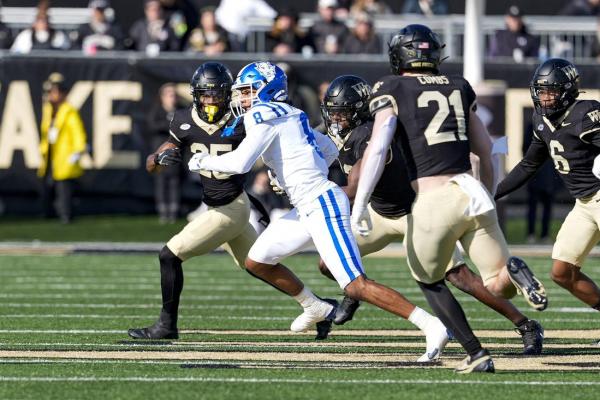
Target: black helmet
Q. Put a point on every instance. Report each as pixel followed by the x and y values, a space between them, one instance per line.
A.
pixel 559 76
pixel 415 47
pixel 211 78
pixel 347 94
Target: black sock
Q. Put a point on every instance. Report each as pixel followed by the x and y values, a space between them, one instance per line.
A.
pixel 171 283
pixel 447 309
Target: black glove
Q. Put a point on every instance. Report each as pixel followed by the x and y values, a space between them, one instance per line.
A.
pixel 170 156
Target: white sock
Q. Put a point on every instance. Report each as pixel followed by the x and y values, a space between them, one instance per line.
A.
pixel 306 298
pixel 420 318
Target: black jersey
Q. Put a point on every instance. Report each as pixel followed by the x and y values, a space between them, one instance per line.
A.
pixel 570 145
pixel 433 119
pixel 393 195
pixel 187 130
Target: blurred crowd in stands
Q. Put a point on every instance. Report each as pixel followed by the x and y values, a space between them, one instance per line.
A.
pixel 342 26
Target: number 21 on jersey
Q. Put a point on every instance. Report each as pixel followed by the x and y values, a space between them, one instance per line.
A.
pixel 432 133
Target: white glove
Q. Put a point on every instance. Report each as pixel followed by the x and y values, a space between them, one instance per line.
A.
pixel 275 185
pixel 596 167
pixel 195 161
pixel 74 158
pixel 361 220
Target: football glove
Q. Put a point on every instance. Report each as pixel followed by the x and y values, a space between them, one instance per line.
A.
pixel 166 157
pixel 275 185
pixel 361 220
pixel 194 163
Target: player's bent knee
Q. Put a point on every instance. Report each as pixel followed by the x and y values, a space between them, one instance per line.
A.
pixel 324 270
pixel 356 288
pixel 251 265
pixel 562 273
pixel 167 256
pixel 506 289
pixel 461 278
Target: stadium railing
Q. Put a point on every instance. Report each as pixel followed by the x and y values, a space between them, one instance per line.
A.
pixel 564 36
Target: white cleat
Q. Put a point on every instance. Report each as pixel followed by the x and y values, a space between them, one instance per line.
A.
pixel 436 337
pixel 317 312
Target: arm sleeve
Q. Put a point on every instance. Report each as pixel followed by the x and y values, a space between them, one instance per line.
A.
pixel 241 160
pixel 536 155
pixel 373 161
pixel 328 148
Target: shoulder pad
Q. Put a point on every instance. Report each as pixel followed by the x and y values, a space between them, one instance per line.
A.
pixel 589 112
pixel 383 95
pixel 180 124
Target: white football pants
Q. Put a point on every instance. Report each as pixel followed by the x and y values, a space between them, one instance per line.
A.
pixel 324 222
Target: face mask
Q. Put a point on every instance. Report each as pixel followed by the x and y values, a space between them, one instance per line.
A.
pixel 211 111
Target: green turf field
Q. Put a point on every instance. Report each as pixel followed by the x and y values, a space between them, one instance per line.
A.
pixel 145 228
pixel 62 336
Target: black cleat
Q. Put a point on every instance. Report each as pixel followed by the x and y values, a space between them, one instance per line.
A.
pixel 346 310
pixel 324 327
pixel 480 362
pixel 527 284
pixel 156 331
pixel 532 334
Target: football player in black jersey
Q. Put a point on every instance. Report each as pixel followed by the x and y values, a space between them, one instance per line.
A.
pixel 566 130
pixel 345 110
pixel 206 126
pixel 433 118
pixel 349 124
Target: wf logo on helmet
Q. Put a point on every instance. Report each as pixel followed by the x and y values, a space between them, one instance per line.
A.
pixel 570 71
pixel 362 89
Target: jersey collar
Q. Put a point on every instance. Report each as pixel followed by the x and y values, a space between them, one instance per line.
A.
pixel 205 126
pixel 556 125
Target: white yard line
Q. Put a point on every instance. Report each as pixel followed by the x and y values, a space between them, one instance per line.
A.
pixel 299 381
pixel 320 344
pixel 568 310
pixel 540 363
pixel 241 317
pixel 554 334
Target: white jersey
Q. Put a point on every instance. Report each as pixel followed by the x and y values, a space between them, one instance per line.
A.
pixel 298 155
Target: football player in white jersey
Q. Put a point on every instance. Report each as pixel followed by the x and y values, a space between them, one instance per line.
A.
pixel 300 157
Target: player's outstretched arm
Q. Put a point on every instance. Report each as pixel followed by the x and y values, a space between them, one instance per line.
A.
pixel 481 146
pixel 240 160
pixel 327 147
pixel 536 155
pixel 153 161
pixel 373 163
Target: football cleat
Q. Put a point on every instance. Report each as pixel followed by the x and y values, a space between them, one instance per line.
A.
pixel 437 337
pixel 480 362
pixel 532 335
pixel 324 327
pixel 317 312
pixel 527 284
pixel 346 310
pixel 156 331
